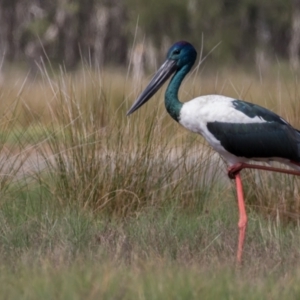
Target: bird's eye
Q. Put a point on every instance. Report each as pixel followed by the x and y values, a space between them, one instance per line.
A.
pixel 176 51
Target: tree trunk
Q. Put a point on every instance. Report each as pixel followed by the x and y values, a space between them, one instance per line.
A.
pixel 8 24
pixel 294 45
pixel 263 36
pixel 100 24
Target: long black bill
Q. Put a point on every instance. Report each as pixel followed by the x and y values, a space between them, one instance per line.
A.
pixel 161 76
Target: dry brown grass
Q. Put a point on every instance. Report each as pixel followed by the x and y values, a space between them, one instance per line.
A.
pixel 77 126
pixel 276 91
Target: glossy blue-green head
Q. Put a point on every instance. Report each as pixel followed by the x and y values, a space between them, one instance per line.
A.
pixel 183 53
pixel 180 59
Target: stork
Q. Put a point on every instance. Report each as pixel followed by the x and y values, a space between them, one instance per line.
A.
pixel 238 130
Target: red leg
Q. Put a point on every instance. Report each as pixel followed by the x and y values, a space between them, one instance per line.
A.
pixel 233 173
pixel 242 216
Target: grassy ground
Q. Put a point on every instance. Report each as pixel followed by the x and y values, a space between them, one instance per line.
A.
pixel 96 205
pixel 49 253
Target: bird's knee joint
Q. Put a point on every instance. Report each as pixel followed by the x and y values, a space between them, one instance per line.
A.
pixel 231 175
pixel 234 170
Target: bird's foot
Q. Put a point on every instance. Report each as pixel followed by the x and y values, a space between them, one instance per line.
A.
pixel 232 171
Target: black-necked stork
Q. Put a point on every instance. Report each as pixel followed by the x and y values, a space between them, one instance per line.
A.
pixel 239 131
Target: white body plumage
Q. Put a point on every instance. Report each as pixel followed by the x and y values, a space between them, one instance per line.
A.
pixel 197 113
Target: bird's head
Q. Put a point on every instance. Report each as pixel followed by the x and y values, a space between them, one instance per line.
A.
pixel 181 54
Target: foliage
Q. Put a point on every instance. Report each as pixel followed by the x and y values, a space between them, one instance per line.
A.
pixel 102 32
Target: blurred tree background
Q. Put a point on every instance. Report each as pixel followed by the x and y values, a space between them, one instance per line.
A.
pixel 116 32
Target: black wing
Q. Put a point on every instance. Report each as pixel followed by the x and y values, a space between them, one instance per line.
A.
pixel 258 140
